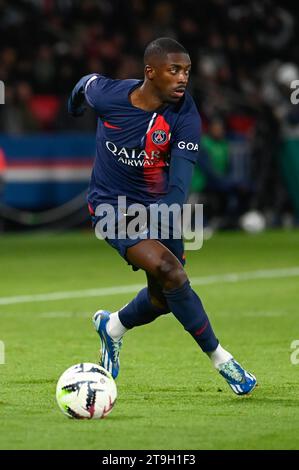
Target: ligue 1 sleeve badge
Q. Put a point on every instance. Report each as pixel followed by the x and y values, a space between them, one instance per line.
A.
pixel 159 137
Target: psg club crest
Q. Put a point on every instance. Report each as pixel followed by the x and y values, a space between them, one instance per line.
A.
pixel 159 137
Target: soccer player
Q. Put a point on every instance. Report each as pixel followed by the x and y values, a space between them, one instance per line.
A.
pixel 147 141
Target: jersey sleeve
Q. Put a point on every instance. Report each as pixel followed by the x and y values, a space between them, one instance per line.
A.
pixel 96 91
pixel 186 136
pixel 180 176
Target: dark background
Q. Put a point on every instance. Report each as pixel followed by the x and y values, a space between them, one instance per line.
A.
pixel 244 57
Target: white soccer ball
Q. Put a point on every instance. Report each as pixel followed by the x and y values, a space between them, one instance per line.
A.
pixel 253 222
pixel 86 391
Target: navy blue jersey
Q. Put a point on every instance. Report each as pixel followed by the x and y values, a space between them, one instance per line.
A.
pixel 135 148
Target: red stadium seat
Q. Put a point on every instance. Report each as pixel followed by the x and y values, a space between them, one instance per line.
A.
pixel 44 108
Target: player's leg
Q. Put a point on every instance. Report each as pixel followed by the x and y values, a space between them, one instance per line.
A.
pixel 156 295
pixel 168 272
pixel 166 269
pixel 157 298
pixel 163 266
pixel 148 305
pixel 144 308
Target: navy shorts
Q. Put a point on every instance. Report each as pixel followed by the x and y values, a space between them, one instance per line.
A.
pixel 176 246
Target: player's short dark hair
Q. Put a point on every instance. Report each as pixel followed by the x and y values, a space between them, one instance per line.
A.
pixel 161 47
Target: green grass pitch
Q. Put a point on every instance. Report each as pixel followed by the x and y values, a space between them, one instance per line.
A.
pixel 169 396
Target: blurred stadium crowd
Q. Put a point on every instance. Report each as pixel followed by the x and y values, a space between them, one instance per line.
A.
pixel 244 57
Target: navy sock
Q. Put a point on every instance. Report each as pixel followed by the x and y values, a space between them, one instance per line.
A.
pixel 140 311
pixel 188 309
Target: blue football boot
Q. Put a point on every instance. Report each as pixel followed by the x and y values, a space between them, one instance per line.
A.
pixel 239 380
pixel 109 347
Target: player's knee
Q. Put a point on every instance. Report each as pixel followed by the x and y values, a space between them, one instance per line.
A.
pixel 171 273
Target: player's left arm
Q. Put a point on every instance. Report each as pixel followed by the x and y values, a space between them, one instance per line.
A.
pixel 184 155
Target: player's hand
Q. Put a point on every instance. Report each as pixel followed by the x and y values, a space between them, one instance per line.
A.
pixel 75 111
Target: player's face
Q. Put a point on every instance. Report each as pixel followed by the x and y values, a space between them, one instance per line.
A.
pixel 171 77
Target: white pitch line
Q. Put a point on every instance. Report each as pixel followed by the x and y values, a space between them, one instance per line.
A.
pixel 132 288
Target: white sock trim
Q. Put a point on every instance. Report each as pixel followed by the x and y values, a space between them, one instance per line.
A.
pixel 115 328
pixel 219 356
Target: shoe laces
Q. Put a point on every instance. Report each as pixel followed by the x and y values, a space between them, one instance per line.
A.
pixel 231 370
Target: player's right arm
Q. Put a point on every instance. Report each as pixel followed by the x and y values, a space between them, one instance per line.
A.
pixel 77 98
pixel 90 89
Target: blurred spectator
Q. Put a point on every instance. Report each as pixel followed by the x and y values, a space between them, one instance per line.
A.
pixel 243 55
pixel 16 117
pixel 224 195
pixel 230 44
